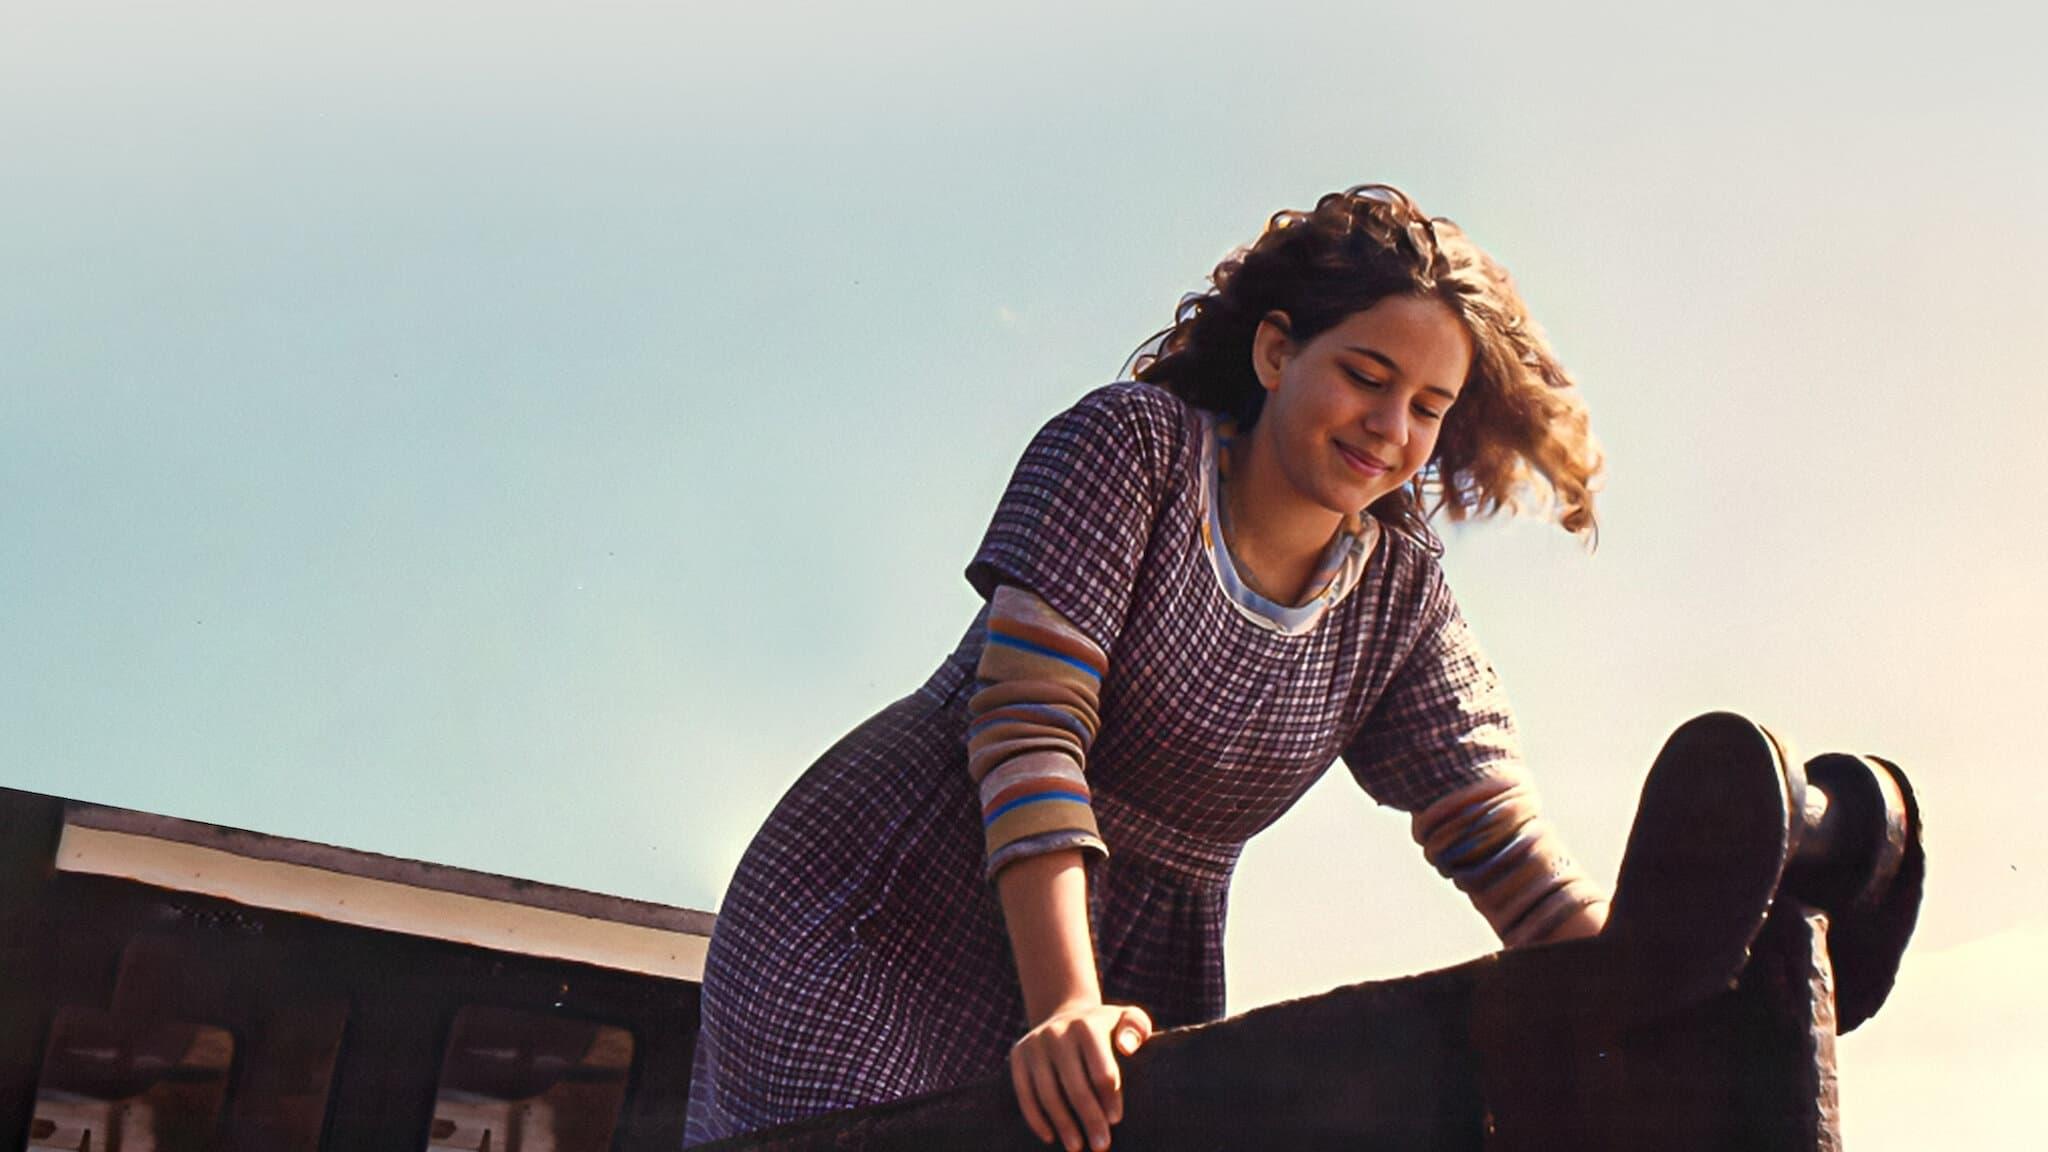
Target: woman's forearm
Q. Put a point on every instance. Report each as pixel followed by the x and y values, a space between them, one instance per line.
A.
pixel 1045 903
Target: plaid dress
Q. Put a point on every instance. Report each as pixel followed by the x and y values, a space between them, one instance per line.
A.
pixel 860 955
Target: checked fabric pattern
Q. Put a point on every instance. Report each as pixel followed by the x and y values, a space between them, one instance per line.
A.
pixel 860 954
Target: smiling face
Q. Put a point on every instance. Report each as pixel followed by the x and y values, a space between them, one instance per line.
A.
pixel 1353 413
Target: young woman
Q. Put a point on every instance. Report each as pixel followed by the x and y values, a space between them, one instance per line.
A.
pixel 1203 587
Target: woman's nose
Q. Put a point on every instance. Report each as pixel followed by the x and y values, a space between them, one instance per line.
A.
pixel 1389 422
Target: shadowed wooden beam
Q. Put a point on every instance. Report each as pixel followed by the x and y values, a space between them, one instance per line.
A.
pixel 30 826
pixel 1381 1065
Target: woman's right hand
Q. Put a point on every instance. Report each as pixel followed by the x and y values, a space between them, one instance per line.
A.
pixel 1066 1073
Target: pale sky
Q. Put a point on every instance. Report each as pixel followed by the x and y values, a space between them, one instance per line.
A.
pixel 523 437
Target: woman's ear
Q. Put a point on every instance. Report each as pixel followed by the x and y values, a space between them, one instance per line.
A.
pixel 1271 346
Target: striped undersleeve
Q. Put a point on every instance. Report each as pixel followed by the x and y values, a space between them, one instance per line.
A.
pixel 1032 719
pixel 1490 839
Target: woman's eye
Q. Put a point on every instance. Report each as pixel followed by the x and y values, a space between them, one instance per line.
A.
pixel 1427 414
pixel 1361 379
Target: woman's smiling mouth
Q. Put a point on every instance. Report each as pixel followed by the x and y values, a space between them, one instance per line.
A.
pixel 1362 463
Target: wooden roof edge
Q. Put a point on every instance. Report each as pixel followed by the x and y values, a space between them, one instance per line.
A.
pixel 391 869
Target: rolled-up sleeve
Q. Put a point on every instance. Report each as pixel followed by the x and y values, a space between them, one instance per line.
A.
pixel 1032 721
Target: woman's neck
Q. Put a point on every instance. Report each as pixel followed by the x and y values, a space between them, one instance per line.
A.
pixel 1276 536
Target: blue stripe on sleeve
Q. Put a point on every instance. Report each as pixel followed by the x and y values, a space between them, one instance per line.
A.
pixel 995 637
pixel 1070 797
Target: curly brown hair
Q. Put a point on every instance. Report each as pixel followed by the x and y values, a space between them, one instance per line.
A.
pixel 1519 419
